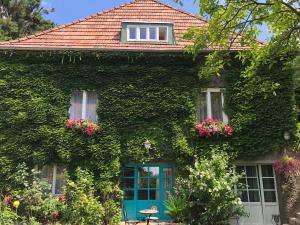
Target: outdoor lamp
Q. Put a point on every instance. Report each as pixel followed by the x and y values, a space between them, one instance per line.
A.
pixel 147 144
pixel 286 135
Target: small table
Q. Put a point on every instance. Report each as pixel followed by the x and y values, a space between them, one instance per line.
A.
pixel 148 213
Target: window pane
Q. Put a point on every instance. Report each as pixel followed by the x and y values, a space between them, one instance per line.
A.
pixel 91 106
pixel 143 171
pixel 270 196
pixel 168 183
pixel 267 171
pixel 128 195
pixel 162 33
pixel 252 183
pixel 132 33
pixel 143 182
pixel 46 174
pixel 142 194
pixel 128 183
pixel 202 114
pixel 128 172
pixel 153 183
pixel 254 196
pixel 154 194
pixel 143 33
pixel 76 105
pixel 268 183
pixel 154 171
pixel 216 105
pixel 60 180
pixel 168 172
pixel 251 171
pixel 152 33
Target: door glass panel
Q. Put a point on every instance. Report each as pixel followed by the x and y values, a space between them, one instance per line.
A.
pixel 128 195
pixel 128 183
pixel 154 194
pixel 142 194
pixel 268 183
pixel 154 171
pixel 143 171
pixel 128 172
pixel 267 171
pixel 154 183
pixel 251 171
pixel 270 196
pixel 143 183
pixel 216 105
pixel 168 183
pixel 254 196
pixel 252 183
pixel 167 172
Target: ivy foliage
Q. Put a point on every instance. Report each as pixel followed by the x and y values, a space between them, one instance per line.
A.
pixel 150 96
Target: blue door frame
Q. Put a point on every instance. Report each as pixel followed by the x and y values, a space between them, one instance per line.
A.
pixel 147 185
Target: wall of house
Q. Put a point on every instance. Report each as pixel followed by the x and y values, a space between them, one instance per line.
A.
pixel 140 96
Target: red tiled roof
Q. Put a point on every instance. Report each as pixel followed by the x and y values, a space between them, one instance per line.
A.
pixel 102 31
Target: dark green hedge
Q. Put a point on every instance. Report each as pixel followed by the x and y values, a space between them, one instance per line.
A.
pixel 141 96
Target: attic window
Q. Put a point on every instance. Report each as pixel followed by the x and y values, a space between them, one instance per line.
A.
pixel 158 33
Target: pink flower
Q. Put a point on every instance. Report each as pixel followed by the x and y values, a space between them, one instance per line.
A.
pixel 7 199
pixel 211 127
pixel 55 216
pixel 91 129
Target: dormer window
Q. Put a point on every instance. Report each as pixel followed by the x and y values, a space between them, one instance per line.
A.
pixel 147 33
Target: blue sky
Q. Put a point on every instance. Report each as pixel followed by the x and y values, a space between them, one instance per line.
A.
pixel 70 10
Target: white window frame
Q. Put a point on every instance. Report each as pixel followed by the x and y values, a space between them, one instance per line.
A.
pixel 208 92
pixel 138 27
pixel 84 106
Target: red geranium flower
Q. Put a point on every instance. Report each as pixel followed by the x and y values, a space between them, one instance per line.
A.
pixel 7 199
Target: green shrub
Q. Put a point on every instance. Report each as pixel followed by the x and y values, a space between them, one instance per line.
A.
pixel 208 192
pixel 176 206
pixel 82 207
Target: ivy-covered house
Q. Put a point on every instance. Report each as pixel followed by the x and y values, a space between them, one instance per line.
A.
pixel 117 93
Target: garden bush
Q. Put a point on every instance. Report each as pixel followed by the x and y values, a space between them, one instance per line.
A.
pixel 208 192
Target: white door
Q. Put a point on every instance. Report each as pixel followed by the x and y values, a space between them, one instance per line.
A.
pixel 258 194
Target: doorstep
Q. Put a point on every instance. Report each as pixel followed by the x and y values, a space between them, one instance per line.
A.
pixel 161 223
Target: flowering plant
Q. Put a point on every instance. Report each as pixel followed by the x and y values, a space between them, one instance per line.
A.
pixel 85 126
pixel 286 165
pixel 210 127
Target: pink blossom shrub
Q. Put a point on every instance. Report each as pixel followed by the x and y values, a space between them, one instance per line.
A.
pixel 286 165
pixel 85 126
pixel 212 128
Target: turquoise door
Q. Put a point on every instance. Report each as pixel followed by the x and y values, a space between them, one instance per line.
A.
pixel 145 186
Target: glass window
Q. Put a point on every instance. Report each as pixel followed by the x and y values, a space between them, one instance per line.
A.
pixel 152 33
pixel 210 105
pixel 76 105
pixel 55 176
pixel 83 105
pixel 154 183
pixel 162 33
pixel 143 33
pixel 153 171
pixel 248 189
pixel 167 172
pixel 216 105
pixel 128 183
pixel 91 106
pixel 142 194
pixel 128 195
pixel 153 194
pixel 270 196
pixel 132 33
pixel 143 171
pixel 143 183
pixel 128 172
pixel 268 181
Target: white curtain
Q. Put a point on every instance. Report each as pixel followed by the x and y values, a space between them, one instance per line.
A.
pixel 91 106
pixel 76 105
